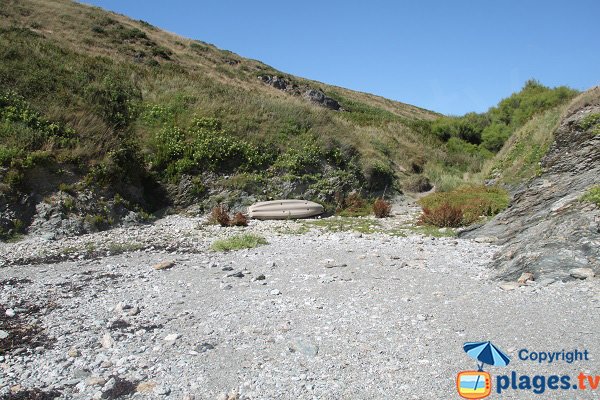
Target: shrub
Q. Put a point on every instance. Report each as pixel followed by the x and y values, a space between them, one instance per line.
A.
pixel 494 136
pixel 443 216
pixel 352 205
pixel 115 99
pixel 592 195
pixel 592 122
pixel 379 176
pixel 472 201
pixel 239 219
pixel 219 215
pixel 382 208
pixel 245 241
pixel 418 184
pixel 7 155
pixel 66 188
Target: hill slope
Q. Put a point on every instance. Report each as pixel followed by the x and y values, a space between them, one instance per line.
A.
pixel 94 100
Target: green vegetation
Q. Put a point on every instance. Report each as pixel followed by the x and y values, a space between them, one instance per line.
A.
pixel 592 195
pixel 520 159
pixel 244 241
pixel 473 139
pixel 132 110
pixel 370 225
pixel 462 206
pixel 344 224
pixel 591 122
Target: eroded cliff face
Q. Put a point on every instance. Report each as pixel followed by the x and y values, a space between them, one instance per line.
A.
pixel 547 229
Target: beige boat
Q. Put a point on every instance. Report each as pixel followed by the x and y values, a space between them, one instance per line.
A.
pixel 284 209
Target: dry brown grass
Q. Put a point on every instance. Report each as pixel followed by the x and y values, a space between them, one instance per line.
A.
pixel 239 219
pixel 219 216
pixel 382 208
pixel 443 216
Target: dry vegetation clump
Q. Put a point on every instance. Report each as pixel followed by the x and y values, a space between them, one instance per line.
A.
pixel 219 216
pixel 239 219
pixel 443 216
pixel 382 208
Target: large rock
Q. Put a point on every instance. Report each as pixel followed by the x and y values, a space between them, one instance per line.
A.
pixel 318 97
pixel 547 230
pixel 313 95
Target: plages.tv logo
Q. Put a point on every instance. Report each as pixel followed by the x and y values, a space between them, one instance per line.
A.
pixel 478 384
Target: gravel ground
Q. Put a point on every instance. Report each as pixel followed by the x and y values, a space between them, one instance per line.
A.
pixel 310 315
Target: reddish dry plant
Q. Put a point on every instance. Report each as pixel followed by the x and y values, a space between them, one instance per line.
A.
pixel 219 215
pixel 239 219
pixel 382 208
pixel 443 216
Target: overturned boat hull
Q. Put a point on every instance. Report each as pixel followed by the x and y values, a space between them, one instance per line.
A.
pixel 284 209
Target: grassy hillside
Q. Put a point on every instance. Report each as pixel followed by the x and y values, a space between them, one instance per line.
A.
pixel 92 100
pixel 130 93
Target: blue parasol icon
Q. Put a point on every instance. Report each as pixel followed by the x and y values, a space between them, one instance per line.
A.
pixel 486 353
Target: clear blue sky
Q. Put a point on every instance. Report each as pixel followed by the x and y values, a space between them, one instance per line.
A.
pixel 448 56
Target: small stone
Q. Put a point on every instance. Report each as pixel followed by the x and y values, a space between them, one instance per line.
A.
pixel 275 292
pixel 107 341
pixel 204 347
pixel 525 277
pixel 3 334
pixel 95 381
pixel 304 346
pixel 134 311
pixel 162 390
pixel 16 388
pixel 546 281
pixel 238 274
pixel 485 239
pixel 120 307
pixel 171 337
pixel 10 312
pixel 164 265
pixel 71 382
pixel 261 277
pixel 145 387
pixel 227 268
pixel 579 273
pixel 73 353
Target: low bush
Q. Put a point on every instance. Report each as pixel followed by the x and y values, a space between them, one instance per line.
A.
pixel 443 216
pixel 352 205
pixel 239 219
pixel 382 208
pixel 592 195
pixel 472 201
pixel 591 122
pixel 417 184
pixel 219 216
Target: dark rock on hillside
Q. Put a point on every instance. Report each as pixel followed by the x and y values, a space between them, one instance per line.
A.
pixel 276 81
pixel 547 229
pixel 318 97
pixel 313 95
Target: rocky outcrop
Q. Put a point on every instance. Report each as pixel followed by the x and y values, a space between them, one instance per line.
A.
pixel 65 214
pixel 547 229
pixel 318 97
pixel 313 95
